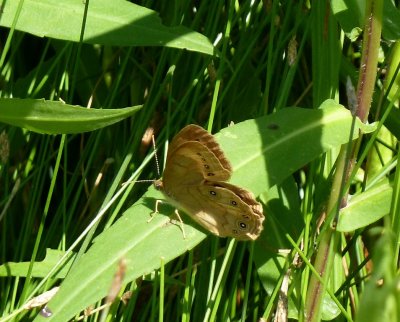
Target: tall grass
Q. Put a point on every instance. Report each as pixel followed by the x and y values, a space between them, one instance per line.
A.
pixel 329 249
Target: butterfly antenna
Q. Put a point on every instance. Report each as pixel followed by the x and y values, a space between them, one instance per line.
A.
pixel 146 160
pixel 157 165
pixel 155 156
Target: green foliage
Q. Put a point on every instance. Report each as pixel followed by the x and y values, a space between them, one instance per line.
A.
pixel 84 84
pixel 57 118
pixel 117 23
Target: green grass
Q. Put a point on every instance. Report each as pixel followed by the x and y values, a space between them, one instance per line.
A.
pixel 279 71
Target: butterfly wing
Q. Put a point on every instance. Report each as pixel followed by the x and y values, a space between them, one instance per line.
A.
pixel 198 134
pixel 224 209
pixel 193 181
pixel 191 163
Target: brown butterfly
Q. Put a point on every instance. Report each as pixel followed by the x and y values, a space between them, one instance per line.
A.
pixel 194 181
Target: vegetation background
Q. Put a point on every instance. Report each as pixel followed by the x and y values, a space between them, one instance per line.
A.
pixel 330 245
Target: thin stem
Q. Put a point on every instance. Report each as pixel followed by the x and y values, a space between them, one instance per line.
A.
pixel 338 196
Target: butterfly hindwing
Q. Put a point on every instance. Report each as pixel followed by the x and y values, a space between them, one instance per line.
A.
pixel 245 215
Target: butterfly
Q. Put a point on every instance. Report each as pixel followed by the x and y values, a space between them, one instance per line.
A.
pixel 194 181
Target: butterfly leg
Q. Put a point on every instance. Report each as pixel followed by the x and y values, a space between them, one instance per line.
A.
pixel 172 221
pixel 152 214
pixel 181 223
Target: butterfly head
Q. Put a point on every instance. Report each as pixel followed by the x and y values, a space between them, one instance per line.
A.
pixel 158 184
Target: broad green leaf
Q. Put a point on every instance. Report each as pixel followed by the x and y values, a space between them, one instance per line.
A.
pixel 272 144
pixel 267 150
pixel 112 23
pixel 53 117
pixel 133 238
pixel 365 208
pixel 40 269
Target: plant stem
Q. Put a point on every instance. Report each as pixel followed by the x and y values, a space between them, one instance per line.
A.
pixel 329 237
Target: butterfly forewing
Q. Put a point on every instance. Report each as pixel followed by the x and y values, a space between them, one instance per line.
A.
pixel 198 134
pixel 190 164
